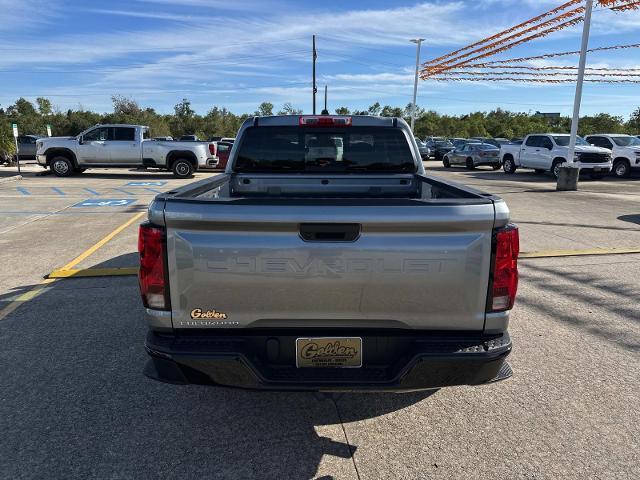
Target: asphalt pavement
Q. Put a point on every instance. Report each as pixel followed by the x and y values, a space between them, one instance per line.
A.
pixel 74 402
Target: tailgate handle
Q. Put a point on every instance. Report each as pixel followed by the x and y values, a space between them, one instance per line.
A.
pixel 329 232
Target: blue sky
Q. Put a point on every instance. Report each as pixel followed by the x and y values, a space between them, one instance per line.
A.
pixel 239 54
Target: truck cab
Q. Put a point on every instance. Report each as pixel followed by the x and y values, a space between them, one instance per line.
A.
pixel 625 150
pixel 547 152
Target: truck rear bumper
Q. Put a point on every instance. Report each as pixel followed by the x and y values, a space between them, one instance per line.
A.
pixel 392 361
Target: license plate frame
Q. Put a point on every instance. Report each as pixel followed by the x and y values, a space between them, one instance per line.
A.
pixel 329 352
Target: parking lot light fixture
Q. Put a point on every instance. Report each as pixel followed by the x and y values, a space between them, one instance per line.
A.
pixel 418 42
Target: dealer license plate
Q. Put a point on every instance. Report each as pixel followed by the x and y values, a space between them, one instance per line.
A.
pixel 329 352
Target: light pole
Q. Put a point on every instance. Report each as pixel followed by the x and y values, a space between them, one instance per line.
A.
pixel 417 41
pixel 568 178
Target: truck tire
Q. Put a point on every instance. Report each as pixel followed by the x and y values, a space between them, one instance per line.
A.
pixel 182 168
pixel 470 165
pixel 555 167
pixel 446 162
pixel 621 168
pixel 61 166
pixel 508 165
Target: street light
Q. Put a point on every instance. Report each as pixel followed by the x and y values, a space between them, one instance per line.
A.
pixel 417 41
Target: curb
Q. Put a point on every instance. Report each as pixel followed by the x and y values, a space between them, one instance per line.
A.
pixel 11 179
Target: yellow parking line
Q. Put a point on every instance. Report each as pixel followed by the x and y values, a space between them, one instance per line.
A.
pixel 102 242
pixel 579 253
pixel 43 286
pixel 93 272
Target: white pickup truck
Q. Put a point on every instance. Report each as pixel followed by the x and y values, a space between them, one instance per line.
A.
pixel 625 150
pixel 547 152
pixel 122 146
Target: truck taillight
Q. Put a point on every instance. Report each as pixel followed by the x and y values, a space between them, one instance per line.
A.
pixel 504 284
pixel 212 149
pixel 152 277
pixel 324 121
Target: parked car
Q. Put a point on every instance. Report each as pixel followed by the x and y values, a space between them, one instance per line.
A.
pixel 625 151
pixel 121 146
pixel 457 142
pixel 473 155
pixel 189 138
pixel 547 152
pixel 320 267
pixel 27 146
pixel 441 148
pixel 496 142
pixel 425 152
pixel 222 151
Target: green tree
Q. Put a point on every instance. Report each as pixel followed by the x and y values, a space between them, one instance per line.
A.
pixel 44 106
pixel 265 109
pixel 374 109
pixel 342 111
pixel 633 125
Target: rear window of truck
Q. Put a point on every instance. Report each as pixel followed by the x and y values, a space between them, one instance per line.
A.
pixel 324 150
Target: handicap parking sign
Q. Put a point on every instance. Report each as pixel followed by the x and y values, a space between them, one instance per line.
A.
pixel 146 184
pixel 106 202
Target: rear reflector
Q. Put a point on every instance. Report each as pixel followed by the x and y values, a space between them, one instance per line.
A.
pixel 324 121
pixel 152 276
pixel 505 269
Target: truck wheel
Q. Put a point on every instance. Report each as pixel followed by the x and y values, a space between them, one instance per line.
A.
pixel 555 168
pixel 470 165
pixel 621 169
pixel 509 166
pixel 446 163
pixel 61 166
pixel 182 168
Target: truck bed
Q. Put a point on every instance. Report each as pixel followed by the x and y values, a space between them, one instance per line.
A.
pixel 351 251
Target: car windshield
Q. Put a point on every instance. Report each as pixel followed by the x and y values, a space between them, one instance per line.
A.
pixel 324 150
pixel 627 141
pixel 563 140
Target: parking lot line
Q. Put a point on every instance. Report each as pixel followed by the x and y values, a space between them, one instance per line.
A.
pixel 58 191
pixel 42 286
pixel 92 192
pixel 23 191
pixel 94 272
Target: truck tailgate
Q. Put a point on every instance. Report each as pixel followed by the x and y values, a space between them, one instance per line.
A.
pixel 423 266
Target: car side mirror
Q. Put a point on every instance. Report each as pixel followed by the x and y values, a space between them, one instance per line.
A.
pixel 80 140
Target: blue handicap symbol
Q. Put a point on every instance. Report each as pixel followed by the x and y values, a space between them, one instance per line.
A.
pixel 106 202
pixel 145 184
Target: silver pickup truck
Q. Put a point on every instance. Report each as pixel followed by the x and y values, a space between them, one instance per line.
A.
pixel 325 259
